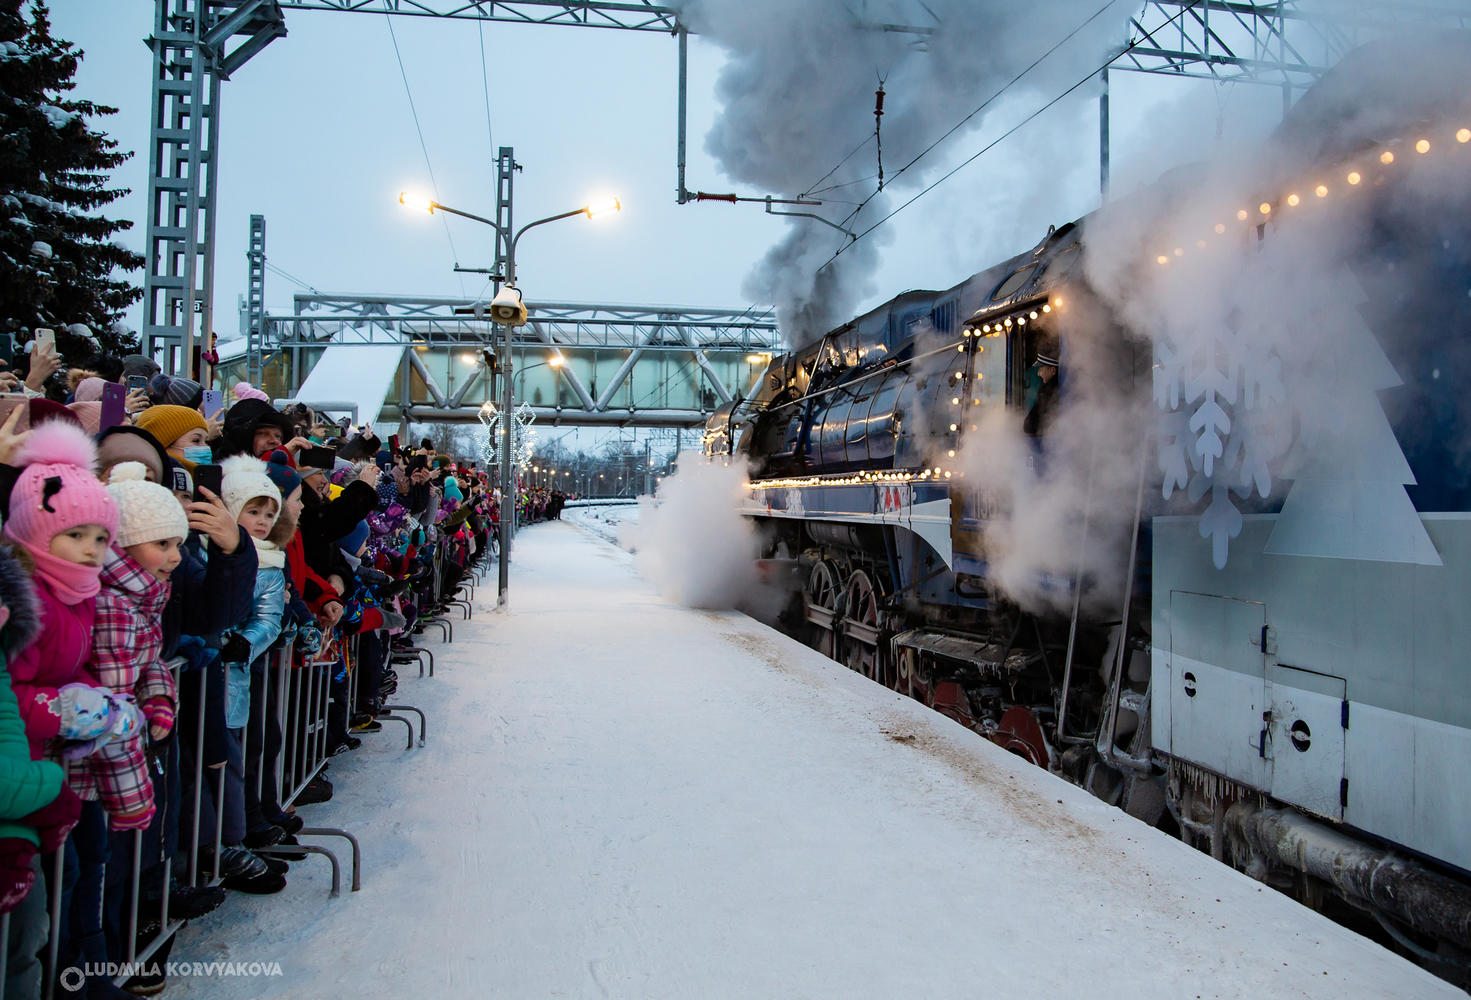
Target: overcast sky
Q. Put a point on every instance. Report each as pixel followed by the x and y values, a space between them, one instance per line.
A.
pixel 317 135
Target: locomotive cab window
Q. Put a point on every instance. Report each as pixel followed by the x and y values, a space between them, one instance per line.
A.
pixel 988 388
pixel 1013 282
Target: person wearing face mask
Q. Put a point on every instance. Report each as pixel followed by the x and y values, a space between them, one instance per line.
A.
pixel 181 431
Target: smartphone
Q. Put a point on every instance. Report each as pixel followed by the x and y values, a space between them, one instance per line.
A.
pixel 114 408
pixel 214 402
pixel 418 462
pixel 207 477
pixel 393 443
pixel 47 337
pixel 16 400
pixel 137 382
pixel 317 458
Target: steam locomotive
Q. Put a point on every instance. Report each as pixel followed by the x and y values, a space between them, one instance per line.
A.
pixel 1303 714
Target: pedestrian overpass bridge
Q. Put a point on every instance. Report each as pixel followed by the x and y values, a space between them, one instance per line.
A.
pixel 431 359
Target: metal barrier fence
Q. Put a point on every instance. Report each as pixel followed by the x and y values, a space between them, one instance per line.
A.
pixel 301 697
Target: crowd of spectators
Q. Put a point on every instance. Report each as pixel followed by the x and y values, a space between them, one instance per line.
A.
pixel 157 532
pixel 539 503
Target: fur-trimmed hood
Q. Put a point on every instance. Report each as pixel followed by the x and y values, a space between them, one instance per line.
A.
pixel 18 594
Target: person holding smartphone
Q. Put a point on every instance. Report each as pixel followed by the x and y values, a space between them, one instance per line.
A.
pixel 137 399
pixel 45 362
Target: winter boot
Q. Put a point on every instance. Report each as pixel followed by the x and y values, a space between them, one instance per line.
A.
pixel 362 722
pixel 253 875
pixel 319 789
pixel 289 849
pixel 155 979
pixel 264 837
pixel 275 862
pixel 290 822
pixel 188 902
pixel 94 954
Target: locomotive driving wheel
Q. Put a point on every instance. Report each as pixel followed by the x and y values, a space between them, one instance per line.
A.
pixel 820 608
pixel 906 662
pixel 861 627
pixel 911 674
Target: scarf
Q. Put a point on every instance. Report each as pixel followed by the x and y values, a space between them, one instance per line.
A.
pixel 268 554
pixel 71 583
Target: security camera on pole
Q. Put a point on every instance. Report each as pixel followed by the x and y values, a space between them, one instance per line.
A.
pixel 509 310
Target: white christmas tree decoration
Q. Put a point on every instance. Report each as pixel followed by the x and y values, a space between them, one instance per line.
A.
pixel 1348 498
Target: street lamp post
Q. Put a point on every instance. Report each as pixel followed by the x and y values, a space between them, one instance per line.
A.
pixel 508 400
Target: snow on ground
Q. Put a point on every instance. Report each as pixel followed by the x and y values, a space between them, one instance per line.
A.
pixel 607 521
pixel 624 798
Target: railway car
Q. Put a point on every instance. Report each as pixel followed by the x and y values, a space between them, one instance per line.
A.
pixel 1300 708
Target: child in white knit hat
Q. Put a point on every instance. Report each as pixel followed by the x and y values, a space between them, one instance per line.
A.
pixel 255 502
pixel 128 637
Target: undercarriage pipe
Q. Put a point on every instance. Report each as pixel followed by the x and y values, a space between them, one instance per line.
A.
pixel 1425 900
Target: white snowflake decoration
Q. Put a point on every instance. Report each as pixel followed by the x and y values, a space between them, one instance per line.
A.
pixel 523 441
pixel 1225 419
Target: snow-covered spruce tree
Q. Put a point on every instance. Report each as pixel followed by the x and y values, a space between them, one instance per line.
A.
pixel 59 266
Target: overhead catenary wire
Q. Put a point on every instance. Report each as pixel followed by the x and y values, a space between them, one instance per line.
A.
pixel 423 146
pixel 1089 76
pixel 958 167
pixel 837 166
pixel 485 86
pixel 988 102
pixel 489 129
pixel 292 278
pixel 840 185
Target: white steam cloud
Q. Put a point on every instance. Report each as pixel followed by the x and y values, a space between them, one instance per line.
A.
pixel 1061 510
pixel 1265 338
pixel 692 543
pixel 798 95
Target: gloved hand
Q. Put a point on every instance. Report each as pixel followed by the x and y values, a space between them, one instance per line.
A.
pixel 127 720
pixel 123 721
pixel 392 620
pixel 309 638
pixel 16 874
pixel 86 711
pixel 160 715
pixel 55 820
pixel 235 650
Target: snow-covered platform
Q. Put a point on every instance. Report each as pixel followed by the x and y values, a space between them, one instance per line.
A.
pixel 623 798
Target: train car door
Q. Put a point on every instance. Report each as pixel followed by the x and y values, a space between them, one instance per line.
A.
pixel 1309 716
pixel 1219 710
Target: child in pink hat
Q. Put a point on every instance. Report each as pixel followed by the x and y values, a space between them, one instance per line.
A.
pixel 64 520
